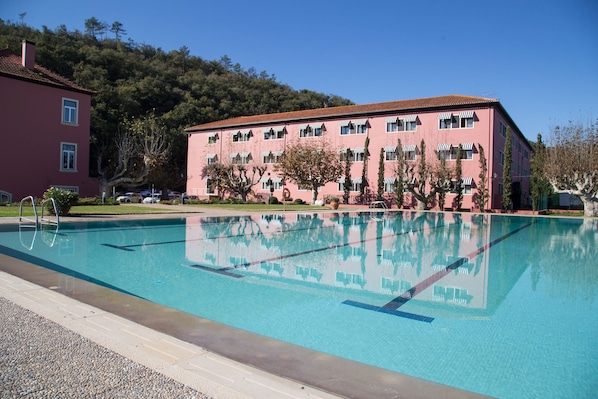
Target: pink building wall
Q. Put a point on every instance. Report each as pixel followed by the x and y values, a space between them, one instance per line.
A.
pixel 485 132
pixel 32 134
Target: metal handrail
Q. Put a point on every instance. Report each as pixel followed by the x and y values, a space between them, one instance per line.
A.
pixel 21 218
pixel 57 221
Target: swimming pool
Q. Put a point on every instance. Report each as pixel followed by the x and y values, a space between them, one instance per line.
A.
pixel 499 305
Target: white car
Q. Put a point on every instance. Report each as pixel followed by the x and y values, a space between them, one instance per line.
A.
pixel 152 199
pixel 124 198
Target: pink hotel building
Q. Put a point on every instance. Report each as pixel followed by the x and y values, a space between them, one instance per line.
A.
pixel 442 122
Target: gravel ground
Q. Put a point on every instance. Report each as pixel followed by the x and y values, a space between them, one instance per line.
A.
pixel 40 359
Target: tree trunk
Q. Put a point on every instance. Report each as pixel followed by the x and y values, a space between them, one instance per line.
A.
pixel 421 205
pixel 590 206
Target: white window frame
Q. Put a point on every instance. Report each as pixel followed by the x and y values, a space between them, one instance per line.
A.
pixel 392 127
pixel 71 155
pixel 362 129
pixel 390 155
pixel 70 113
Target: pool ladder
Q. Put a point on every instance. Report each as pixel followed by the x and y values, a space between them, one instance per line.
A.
pixel 38 221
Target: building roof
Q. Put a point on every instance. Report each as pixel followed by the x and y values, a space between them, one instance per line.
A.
pixel 11 66
pixel 403 106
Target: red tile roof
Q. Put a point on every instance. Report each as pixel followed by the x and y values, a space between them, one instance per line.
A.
pixel 430 103
pixel 11 66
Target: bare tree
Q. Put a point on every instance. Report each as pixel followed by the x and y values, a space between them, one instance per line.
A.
pixel 425 180
pixel 140 147
pixel 311 164
pixel 572 163
pixel 234 179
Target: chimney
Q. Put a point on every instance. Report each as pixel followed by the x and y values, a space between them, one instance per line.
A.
pixel 28 54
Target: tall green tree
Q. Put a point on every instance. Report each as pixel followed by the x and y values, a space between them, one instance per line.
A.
pixel 482 196
pixel 309 164
pixel 539 186
pixel 347 184
pixel 401 167
pixel 364 171
pixel 381 176
pixel 507 180
pixel 458 200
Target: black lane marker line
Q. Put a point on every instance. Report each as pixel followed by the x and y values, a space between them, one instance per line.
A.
pixel 217 271
pixel 409 294
pixel 393 312
pixel 121 247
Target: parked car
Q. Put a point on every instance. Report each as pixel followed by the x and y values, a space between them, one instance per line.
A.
pixel 124 198
pixel 152 199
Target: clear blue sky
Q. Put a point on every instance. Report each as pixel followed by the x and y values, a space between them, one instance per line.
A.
pixel 539 58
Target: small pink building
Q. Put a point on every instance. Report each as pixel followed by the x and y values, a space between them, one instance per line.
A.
pixel 45 129
pixel 443 123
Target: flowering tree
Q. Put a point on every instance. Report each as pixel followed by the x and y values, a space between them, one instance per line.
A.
pixel 572 163
pixel 310 164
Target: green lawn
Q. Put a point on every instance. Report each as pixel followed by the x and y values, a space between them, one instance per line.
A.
pixel 139 209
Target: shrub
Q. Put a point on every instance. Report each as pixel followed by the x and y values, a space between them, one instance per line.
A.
pixel 298 201
pixel 273 200
pixel 64 199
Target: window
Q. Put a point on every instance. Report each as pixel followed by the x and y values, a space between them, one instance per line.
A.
pixel 466 184
pixel 276 184
pixel 306 131
pixel 212 158
pixel 503 129
pixel 358 154
pixel 392 125
pixel 357 127
pixel 446 120
pixel 390 184
pixel 68 157
pixel 212 138
pixel 466 119
pixel 274 133
pixel 242 158
pixel 502 158
pixel 210 187
pixel 390 153
pixel 241 135
pixel 355 184
pixel 347 128
pixel 69 111
pixel 410 126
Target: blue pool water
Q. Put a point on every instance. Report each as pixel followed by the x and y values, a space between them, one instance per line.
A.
pixel 499 305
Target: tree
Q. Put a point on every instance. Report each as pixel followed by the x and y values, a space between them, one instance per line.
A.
pixel 381 176
pixel 441 179
pixel 118 30
pixel 347 185
pixel 419 178
pixel 401 168
pixel 572 163
pixel 507 182
pixel 483 193
pixel 93 26
pixel 364 171
pixel 309 164
pixel 140 147
pixel 458 200
pixel 539 185
pixel 234 179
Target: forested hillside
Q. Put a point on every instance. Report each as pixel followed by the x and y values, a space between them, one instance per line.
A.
pixel 133 80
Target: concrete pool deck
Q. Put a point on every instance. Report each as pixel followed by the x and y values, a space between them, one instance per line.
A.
pixel 197 357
